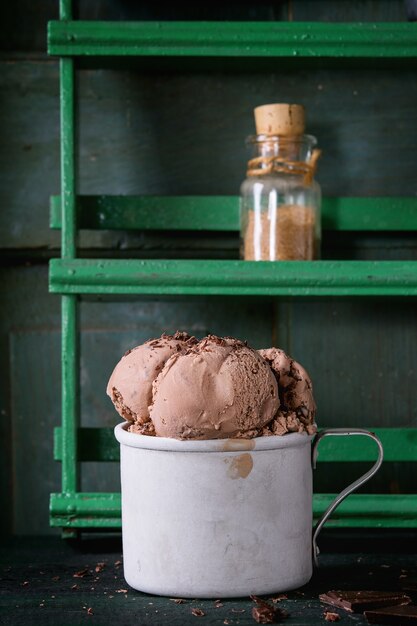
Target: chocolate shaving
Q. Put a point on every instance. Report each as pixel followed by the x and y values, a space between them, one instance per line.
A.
pixel 331 617
pixel 281 596
pixel 81 573
pixel 197 612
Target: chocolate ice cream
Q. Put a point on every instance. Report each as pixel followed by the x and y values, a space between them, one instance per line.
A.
pixel 218 388
pixel 130 385
pixel 297 407
pixel 178 387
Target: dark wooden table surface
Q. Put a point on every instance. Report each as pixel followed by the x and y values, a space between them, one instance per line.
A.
pixel 47 581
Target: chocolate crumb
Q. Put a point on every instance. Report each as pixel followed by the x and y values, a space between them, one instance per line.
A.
pixel 178 600
pixel 74 587
pixel 281 596
pixel 81 573
pixel 218 604
pixel 331 617
pixel 25 583
pixel 100 567
pixel 197 612
pixel 265 613
pixel 238 610
pixel 89 611
pixel 121 590
pixel 117 563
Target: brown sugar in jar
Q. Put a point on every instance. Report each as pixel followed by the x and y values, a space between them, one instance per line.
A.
pixel 280 200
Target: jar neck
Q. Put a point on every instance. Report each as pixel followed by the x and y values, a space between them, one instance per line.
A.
pixel 291 148
pixel 295 155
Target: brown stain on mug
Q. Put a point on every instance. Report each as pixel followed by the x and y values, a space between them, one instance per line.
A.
pixel 240 466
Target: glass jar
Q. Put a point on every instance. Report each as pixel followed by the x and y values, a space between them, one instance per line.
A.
pixel 280 200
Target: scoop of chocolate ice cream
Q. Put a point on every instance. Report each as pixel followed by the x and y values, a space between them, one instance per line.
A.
pixel 217 388
pixel 130 385
pixel 298 408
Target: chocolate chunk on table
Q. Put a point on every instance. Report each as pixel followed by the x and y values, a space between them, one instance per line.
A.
pixel 408 584
pixel 360 601
pixel 395 615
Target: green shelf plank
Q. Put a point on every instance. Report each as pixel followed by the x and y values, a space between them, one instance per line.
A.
pixel 85 510
pixel 400 444
pixel 221 213
pixel 233 39
pixel 103 510
pixel 249 278
pixel 369 510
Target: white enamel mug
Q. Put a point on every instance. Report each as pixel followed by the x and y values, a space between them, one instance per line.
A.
pixel 221 518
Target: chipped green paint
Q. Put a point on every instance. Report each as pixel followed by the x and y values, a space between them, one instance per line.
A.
pixel 70 393
pixel 69 305
pixel 221 213
pixel 233 39
pixel 249 278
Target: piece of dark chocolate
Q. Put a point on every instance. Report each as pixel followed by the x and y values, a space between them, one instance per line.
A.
pixel 393 615
pixel 408 584
pixel 360 601
pixel 265 613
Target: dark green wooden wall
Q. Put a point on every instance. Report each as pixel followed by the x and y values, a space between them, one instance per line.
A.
pixel 154 131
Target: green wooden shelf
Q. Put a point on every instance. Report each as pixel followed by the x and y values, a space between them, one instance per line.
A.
pixel 233 39
pixel 400 444
pixel 221 213
pixel 93 510
pixel 85 510
pixel 235 43
pixel 249 278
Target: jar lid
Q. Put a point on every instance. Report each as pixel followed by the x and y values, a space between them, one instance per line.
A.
pixel 280 119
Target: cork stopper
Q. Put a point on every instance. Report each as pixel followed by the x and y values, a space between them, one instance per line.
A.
pixel 280 119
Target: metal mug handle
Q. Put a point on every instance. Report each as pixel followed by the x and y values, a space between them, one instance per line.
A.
pixel 352 487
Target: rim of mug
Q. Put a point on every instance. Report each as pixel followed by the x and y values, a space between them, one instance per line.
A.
pixel 167 444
